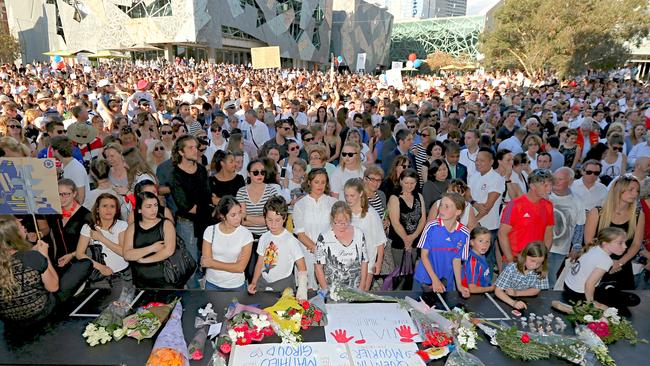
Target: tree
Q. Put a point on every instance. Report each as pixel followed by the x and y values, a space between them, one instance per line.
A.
pixel 9 46
pixel 567 37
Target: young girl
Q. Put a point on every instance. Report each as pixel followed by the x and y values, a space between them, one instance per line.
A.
pixel 226 249
pixel 289 185
pixel 582 282
pixel 468 217
pixel 476 275
pixel 278 251
pixel 370 224
pixel 525 277
pixel 341 251
pixel 444 243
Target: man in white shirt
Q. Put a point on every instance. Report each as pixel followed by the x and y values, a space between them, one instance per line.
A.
pixel 639 150
pixel 299 118
pixel 486 187
pixel 468 154
pixel 588 189
pixel 72 169
pixel 514 142
pixel 254 130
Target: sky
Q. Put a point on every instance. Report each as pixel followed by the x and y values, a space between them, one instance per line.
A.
pixel 479 7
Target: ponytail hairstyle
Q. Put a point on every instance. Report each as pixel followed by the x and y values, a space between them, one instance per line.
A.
pixel 535 249
pixel 605 235
pixel 357 184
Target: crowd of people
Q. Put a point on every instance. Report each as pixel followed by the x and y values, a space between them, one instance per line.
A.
pixel 480 182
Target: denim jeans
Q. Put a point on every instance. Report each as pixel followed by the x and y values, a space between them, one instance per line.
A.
pixel 555 261
pixel 212 286
pixel 185 230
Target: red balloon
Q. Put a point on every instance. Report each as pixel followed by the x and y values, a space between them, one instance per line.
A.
pixel 413 57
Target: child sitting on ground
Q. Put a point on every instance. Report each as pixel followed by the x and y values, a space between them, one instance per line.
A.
pixel 278 251
pixel 525 277
pixel 476 271
pixel 444 243
pixel 582 282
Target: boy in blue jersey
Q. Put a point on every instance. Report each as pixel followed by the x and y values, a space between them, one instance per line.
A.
pixel 477 276
pixel 444 244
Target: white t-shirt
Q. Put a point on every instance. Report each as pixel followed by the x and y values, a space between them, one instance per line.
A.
pixel 340 176
pixel 280 253
pixel 469 160
pixel 75 171
pixel 481 186
pixel 373 230
pixel 226 248
pixel 568 211
pixel 113 260
pixel 590 197
pixel 582 268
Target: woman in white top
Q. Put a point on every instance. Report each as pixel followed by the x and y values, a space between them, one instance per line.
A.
pixel 311 217
pixel 520 171
pixel 349 167
pixel 614 161
pixel 532 145
pixel 107 231
pixel 226 249
pixel 366 219
pixel 505 161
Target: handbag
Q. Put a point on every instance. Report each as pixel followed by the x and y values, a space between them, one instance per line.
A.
pixel 180 266
pixel 94 251
pixel 401 278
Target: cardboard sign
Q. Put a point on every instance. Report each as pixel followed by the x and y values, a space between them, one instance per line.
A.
pixel 396 65
pixel 369 324
pixel 394 78
pixel 265 57
pixel 361 62
pixel 303 354
pixel 402 354
pixel 28 186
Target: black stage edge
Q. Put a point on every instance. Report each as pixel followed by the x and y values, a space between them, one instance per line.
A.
pixel 59 341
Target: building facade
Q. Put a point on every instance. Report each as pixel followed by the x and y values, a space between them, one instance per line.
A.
pixel 216 30
pixel 407 10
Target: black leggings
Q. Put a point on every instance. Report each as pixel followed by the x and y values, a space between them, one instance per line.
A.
pixel 606 293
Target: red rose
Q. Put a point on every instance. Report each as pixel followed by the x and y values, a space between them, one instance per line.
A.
pixel 423 355
pixel 305 305
pixel 225 348
pixel 268 331
pixel 525 338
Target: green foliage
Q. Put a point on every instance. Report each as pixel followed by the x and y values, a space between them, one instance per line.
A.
pixel 564 36
pixel 9 46
pixel 510 343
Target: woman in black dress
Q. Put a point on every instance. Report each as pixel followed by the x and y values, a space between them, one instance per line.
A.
pixel 148 242
pixel 407 217
pixel 226 181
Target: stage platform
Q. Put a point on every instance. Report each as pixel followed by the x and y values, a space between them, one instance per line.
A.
pixel 59 341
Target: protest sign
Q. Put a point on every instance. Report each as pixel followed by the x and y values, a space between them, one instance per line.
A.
pixel 302 354
pixel 28 186
pixel 361 62
pixel 394 78
pixel 265 57
pixel 369 323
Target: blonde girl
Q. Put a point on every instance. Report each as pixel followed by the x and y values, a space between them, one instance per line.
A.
pixel 525 277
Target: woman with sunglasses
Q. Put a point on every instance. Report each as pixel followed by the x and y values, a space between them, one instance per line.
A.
pixel 614 160
pixel 354 136
pixel 349 167
pixel 167 137
pixel 532 144
pixel 620 209
pixel 156 154
pixel 311 217
pixel 390 186
pixel 253 197
pixel 286 164
pixel 426 133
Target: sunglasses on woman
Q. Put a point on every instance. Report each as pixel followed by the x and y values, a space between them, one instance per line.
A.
pixel 166 132
pixel 348 154
pixel 257 172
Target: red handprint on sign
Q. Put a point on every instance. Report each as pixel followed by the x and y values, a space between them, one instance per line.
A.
pixel 404 331
pixel 341 336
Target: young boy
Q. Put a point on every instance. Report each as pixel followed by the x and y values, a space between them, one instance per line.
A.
pixel 278 251
pixel 476 271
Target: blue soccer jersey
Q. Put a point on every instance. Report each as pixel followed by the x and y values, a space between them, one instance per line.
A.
pixel 476 271
pixel 443 247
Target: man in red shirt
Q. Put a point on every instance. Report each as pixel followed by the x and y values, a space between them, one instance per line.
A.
pixel 528 217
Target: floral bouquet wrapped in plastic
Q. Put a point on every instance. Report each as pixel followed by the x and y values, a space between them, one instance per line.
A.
pixel 596 346
pixel 108 324
pixel 170 348
pixel 147 320
pixel 244 324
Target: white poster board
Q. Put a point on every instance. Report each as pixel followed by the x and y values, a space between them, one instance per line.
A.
pixel 403 354
pixel 275 354
pixel 369 323
pixel 361 62
pixel 394 78
pixel 396 65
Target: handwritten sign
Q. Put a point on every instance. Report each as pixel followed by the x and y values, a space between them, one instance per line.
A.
pixel 265 57
pixel 394 78
pixel 398 354
pixel 303 354
pixel 369 323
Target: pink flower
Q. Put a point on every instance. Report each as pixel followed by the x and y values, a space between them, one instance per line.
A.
pixel 225 348
pixel 197 355
pixel 601 328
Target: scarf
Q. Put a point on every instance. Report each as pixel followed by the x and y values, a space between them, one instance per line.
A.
pixel 68 213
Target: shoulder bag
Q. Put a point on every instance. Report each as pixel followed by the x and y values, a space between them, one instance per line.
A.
pixel 180 266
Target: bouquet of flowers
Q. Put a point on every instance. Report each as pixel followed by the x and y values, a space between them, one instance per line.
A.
pixel 606 324
pixel 342 293
pixel 108 324
pixel 170 348
pixel 147 320
pixel 596 345
pixel 196 345
pixel 245 324
pixel 463 328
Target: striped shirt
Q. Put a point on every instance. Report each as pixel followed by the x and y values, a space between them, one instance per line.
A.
pixel 420 152
pixel 256 208
pixel 378 203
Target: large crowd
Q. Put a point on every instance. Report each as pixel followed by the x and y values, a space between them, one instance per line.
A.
pixel 477 182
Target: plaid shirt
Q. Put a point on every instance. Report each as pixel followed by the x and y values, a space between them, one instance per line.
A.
pixel 512 278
